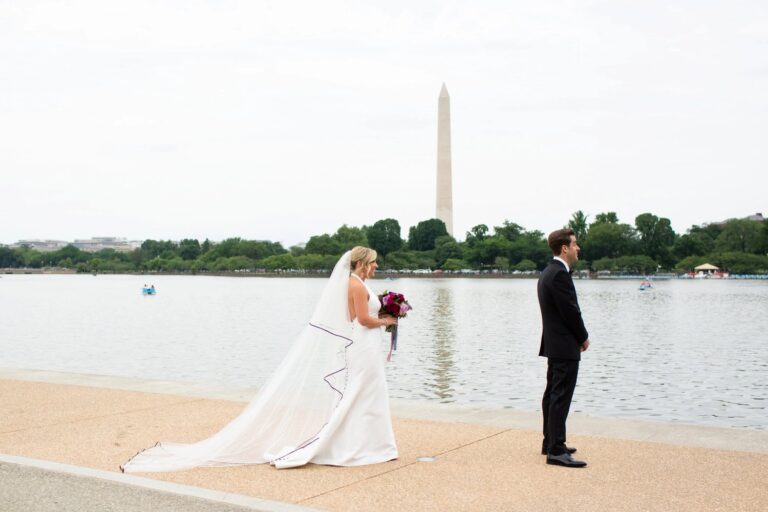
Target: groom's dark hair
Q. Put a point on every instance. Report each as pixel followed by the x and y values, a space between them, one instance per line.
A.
pixel 559 238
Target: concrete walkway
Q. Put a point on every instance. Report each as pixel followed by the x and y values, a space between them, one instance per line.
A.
pixel 65 436
pixel 41 486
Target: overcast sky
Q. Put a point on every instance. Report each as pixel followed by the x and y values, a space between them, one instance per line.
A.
pixel 281 120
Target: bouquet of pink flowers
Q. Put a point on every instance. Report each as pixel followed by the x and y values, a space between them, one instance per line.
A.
pixel 393 304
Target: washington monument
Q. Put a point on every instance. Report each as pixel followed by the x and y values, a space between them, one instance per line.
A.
pixel 444 186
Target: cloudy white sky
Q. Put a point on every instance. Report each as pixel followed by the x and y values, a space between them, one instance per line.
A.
pixel 280 120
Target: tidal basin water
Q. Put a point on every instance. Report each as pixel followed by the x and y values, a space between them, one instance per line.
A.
pixel 685 351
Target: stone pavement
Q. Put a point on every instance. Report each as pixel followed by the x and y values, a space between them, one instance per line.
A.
pixel 26 486
pixel 64 437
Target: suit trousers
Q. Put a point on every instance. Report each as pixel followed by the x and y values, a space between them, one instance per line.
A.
pixel 561 382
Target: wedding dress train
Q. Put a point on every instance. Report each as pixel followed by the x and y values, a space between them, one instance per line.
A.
pixel 327 402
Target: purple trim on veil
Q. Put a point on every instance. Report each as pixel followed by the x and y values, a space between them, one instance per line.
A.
pixel 345 357
pixel 315 437
pixel 331 333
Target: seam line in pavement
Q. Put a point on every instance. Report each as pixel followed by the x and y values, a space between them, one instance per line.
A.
pixel 403 466
pixel 99 417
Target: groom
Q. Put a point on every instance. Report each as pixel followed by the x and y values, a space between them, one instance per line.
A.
pixel 562 341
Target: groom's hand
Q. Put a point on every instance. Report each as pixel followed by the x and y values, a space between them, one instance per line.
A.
pixel 584 346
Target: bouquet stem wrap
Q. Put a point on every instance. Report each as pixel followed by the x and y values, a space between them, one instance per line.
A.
pixel 392 342
pixel 395 305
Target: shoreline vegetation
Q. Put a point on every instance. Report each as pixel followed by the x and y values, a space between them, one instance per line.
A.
pixel 384 275
pixel 609 248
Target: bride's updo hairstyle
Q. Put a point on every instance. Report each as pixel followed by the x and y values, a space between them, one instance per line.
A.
pixel 362 255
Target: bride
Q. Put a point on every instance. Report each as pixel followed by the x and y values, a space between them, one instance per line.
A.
pixel 326 403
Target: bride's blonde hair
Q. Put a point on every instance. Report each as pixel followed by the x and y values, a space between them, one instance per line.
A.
pixel 362 255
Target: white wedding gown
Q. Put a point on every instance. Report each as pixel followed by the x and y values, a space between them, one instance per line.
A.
pixel 360 429
pixel 326 403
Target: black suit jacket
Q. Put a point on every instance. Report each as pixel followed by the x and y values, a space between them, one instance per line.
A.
pixel 563 328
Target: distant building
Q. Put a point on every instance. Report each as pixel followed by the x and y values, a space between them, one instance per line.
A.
pixel 90 245
pixel 106 242
pixel 758 217
pixel 41 245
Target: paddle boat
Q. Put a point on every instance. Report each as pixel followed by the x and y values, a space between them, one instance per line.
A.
pixel 148 290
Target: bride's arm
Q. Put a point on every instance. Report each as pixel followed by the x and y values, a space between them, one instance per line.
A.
pixel 360 301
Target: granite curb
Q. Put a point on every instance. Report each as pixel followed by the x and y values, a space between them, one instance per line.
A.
pixel 105 490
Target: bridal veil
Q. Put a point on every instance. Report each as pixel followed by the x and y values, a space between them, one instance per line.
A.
pixel 288 413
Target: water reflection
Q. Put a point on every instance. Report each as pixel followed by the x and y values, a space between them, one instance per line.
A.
pixel 442 365
pixel 685 351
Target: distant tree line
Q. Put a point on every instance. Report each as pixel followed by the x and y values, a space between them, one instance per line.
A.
pixel 647 246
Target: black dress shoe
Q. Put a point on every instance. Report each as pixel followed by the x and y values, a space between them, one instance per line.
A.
pixel 565 460
pixel 569 450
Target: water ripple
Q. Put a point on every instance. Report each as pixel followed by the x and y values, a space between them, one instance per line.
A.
pixel 686 351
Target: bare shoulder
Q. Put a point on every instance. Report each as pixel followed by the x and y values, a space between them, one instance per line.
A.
pixel 356 286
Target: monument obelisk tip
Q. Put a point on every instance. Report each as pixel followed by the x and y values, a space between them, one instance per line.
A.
pixel 444 91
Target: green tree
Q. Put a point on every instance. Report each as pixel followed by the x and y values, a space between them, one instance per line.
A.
pixel 280 262
pixel 485 252
pixel 177 264
pixel 526 266
pixel 155 264
pixel 310 262
pixel 579 225
pixel 53 257
pixel 400 260
pixel 604 263
pixel 9 258
pixel 608 239
pixel 189 249
pixel 656 237
pixel 454 264
pixel 323 244
pixel 349 237
pixel 707 234
pixel 224 249
pixel 476 234
pixel 606 218
pixel 640 263
pixel 423 259
pixel 741 262
pixel 94 265
pixel 257 249
pixel 384 236
pixel 422 236
pixel 446 248
pixel 531 245
pixel 501 263
pixel 689 245
pixel 508 230
pixel 740 235
pixel 34 259
pixel 239 263
pixel 153 248
pixel 764 237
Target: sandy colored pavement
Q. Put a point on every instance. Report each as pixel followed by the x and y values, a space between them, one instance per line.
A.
pixel 477 467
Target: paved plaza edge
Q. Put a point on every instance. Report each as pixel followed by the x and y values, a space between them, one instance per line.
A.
pixel 477 446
